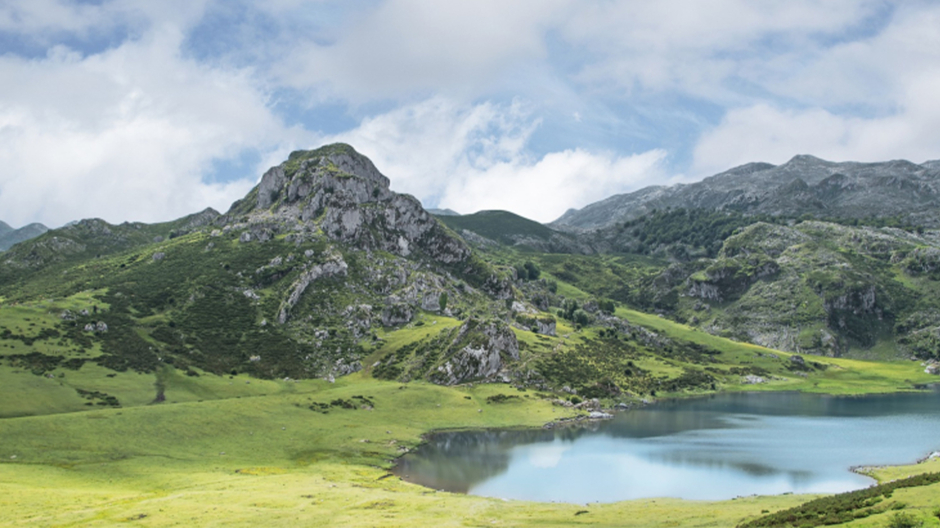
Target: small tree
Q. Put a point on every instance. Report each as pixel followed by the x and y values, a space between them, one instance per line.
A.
pixel 581 317
pixel 442 301
pixel 532 270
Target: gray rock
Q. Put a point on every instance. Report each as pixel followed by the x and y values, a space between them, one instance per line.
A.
pixel 397 314
pixel 335 266
pixel 481 358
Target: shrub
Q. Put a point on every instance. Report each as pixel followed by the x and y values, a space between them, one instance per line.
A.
pixel 904 520
pixel 532 271
pixel 581 317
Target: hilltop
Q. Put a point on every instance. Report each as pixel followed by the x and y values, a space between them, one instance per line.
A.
pixel 805 185
pixel 10 236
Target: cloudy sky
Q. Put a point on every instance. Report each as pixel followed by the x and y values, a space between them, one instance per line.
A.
pixel 150 110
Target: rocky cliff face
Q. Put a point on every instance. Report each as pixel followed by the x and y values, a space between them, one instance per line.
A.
pixel 478 352
pixel 340 192
pixel 803 185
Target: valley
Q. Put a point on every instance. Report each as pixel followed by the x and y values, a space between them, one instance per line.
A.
pixel 274 360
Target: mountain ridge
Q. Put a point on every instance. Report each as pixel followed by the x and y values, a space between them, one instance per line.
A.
pixel 10 236
pixel 803 185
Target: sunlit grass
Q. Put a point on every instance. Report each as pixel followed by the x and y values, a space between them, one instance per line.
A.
pixel 271 461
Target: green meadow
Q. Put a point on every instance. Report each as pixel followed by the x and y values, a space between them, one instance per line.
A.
pixel 312 453
pixel 91 446
pixel 279 460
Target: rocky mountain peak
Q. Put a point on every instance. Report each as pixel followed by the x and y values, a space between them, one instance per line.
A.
pixel 803 160
pixel 803 185
pixel 338 191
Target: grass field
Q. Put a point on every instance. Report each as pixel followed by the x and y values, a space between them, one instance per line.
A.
pixel 271 461
pixel 278 460
pixel 239 451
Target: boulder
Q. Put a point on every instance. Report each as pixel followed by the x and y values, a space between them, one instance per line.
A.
pixel 481 350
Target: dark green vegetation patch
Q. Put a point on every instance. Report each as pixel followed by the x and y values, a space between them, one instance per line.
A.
pixel 843 507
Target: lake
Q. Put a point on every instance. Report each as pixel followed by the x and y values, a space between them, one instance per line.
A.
pixel 712 448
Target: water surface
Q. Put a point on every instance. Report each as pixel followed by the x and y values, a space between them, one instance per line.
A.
pixel 711 449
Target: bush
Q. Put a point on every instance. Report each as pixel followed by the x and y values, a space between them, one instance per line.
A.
pixel 532 271
pixel 904 520
pixel 581 317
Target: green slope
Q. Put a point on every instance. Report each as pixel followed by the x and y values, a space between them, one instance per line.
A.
pixel 502 226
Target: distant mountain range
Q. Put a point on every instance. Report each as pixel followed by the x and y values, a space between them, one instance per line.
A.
pixel 805 185
pixel 10 236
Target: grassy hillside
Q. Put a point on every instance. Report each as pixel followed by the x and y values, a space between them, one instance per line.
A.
pixel 501 226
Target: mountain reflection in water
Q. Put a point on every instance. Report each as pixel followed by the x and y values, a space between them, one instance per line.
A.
pixel 710 448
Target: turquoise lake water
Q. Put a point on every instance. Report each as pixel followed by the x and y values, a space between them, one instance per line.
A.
pixel 710 449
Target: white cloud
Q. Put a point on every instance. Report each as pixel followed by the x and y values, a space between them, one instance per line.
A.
pixel 545 189
pixel 408 46
pixel 695 47
pixel 474 157
pixel 46 20
pixel 126 134
pixel 895 73
pixel 130 132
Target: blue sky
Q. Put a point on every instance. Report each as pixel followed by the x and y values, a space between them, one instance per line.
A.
pixel 135 110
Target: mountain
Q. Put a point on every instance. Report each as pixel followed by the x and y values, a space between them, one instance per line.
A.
pixel 94 238
pixel 443 212
pixel 488 227
pixel 10 236
pixel 321 271
pixel 805 185
pixel 295 280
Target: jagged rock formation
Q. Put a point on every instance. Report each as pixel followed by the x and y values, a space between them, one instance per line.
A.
pixel 803 185
pixel 478 352
pixel 333 267
pixel 340 192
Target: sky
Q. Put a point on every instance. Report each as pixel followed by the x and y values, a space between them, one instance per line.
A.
pixel 134 110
